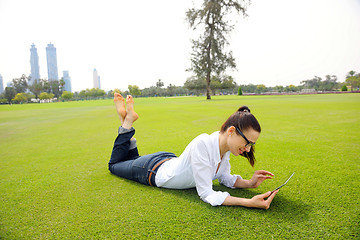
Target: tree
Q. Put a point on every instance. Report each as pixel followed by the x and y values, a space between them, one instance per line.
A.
pixel 353 80
pixel 67 95
pixel 314 83
pixel 330 83
pixel 291 88
pixel 55 88
pixel 171 90
pixel 159 84
pixel 344 88
pixel 45 95
pixel 37 87
pixel 195 84
pixel 20 98
pixel 350 74
pixel 209 56
pixel 240 91
pixel 61 85
pixel 20 84
pixel 228 82
pixel 251 88
pixel 279 88
pixel 9 94
pixel 260 88
pixel 134 90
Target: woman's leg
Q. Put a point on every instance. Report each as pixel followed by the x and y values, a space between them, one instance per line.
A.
pixel 125 161
pixel 124 145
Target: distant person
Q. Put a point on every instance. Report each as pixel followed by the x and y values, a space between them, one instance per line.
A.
pixel 206 158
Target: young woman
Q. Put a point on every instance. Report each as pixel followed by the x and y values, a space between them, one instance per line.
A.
pixel 206 158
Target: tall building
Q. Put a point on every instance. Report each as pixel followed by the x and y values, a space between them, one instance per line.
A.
pixel 96 79
pixel 67 81
pixel 1 84
pixel 51 62
pixel 34 63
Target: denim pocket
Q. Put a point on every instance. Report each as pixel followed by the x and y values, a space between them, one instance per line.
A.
pixel 142 162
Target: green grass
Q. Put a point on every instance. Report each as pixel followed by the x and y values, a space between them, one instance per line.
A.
pixel 54 181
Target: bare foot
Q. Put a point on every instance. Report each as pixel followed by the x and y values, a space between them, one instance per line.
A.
pixel 120 106
pixel 130 113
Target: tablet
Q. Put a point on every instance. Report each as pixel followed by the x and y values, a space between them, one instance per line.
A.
pixel 283 183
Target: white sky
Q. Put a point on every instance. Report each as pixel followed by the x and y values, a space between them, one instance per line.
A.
pixel 282 42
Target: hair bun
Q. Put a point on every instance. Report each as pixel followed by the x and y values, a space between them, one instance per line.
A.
pixel 244 109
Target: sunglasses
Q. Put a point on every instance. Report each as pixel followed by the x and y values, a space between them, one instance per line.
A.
pixel 249 143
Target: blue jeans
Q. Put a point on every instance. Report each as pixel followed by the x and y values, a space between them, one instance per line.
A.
pixel 125 161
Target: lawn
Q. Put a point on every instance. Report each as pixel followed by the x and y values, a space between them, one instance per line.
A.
pixel 54 181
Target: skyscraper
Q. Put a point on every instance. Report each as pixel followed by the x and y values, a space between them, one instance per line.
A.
pixel 96 79
pixel 67 81
pixel 34 63
pixel 51 62
pixel 1 84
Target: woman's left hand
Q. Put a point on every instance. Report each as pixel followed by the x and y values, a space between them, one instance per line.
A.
pixel 258 177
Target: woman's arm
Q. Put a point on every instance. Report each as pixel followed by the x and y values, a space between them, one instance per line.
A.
pixel 258 177
pixel 257 201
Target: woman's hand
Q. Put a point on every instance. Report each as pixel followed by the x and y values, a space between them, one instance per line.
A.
pixel 259 201
pixel 258 177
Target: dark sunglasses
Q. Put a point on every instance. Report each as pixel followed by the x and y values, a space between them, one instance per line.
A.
pixel 247 140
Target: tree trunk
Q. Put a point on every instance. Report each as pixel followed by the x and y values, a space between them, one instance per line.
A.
pixel 208 89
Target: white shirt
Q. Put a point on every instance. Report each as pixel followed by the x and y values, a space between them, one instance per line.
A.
pixel 196 167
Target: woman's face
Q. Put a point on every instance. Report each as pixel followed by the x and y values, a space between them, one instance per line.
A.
pixel 237 144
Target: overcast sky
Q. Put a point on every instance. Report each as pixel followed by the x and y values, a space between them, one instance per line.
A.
pixel 281 42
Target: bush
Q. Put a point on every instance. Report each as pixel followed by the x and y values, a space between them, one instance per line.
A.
pixel 344 88
pixel 240 91
pixel 67 95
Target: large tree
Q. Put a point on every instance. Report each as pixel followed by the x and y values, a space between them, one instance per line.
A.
pixel 20 84
pixel 10 93
pixel 353 79
pixel 209 56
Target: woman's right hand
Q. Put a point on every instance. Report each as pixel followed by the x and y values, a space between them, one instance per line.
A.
pixel 260 201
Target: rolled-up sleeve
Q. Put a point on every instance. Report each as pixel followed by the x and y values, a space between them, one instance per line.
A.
pixel 226 178
pixel 202 171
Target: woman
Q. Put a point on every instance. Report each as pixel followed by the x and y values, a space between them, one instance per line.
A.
pixel 206 158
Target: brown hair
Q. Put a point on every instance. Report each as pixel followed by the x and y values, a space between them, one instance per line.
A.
pixel 243 119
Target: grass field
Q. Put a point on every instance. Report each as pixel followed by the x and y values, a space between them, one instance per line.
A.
pixel 54 181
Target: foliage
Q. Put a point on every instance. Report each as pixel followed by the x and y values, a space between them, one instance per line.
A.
pixel 240 91
pixel 20 84
pixel 329 84
pixel 37 87
pixel 67 95
pixel 134 90
pixel 344 88
pixel 10 93
pixel 260 88
pixel 55 88
pixel 93 93
pixel 45 96
pixel 353 79
pixel 20 98
pixel 222 83
pixel 291 88
pixel 159 84
pixel 208 55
